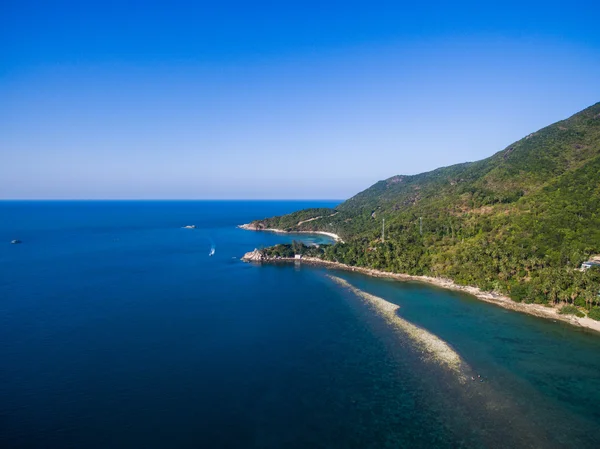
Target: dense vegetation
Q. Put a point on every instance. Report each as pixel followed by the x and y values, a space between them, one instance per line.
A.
pixel 287 250
pixel 520 222
pixel 299 220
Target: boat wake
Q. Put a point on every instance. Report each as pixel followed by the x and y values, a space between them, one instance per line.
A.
pixel 429 345
pixel 213 247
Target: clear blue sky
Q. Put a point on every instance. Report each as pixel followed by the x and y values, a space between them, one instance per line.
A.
pixel 279 99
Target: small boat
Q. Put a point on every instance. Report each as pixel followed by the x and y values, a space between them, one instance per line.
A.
pixel 190 227
pixel 16 241
pixel 212 252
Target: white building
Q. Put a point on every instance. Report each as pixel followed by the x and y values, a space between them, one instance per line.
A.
pixel 589 264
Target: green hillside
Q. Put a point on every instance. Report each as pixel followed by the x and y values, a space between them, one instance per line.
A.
pixel 518 222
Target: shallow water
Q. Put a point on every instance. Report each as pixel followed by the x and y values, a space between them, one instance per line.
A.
pixel 118 330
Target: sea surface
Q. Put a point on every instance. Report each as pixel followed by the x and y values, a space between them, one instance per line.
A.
pixel 118 330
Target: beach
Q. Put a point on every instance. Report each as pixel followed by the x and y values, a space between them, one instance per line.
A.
pixel 251 227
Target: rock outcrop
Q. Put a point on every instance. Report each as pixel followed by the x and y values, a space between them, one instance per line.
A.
pixel 254 226
pixel 255 256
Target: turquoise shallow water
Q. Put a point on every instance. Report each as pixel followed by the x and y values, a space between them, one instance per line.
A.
pixel 118 330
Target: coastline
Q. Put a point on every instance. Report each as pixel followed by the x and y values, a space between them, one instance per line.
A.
pixel 251 227
pixel 489 297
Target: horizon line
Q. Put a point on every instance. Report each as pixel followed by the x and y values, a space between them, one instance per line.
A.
pixel 172 199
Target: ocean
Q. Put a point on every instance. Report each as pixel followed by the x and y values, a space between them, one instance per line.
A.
pixel 118 330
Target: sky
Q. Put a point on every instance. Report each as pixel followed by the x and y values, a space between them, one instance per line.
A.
pixel 276 100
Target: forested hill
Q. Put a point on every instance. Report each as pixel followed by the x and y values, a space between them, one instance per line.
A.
pixel 518 221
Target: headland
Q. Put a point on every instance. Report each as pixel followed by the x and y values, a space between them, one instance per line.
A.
pixel 252 227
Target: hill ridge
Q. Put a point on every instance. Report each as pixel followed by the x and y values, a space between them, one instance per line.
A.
pixel 519 221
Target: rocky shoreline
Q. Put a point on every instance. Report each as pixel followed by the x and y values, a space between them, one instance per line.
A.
pixel 490 297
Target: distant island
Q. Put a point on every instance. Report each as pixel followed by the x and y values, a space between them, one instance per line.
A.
pixel 522 224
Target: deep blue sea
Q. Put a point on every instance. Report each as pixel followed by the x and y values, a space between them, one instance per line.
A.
pixel 118 330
